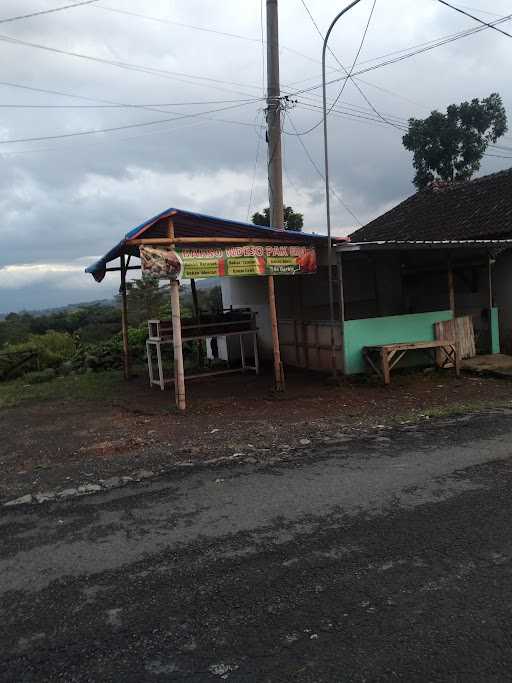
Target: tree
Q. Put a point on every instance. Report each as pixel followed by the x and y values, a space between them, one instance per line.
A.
pixel 145 299
pixel 450 146
pixel 292 220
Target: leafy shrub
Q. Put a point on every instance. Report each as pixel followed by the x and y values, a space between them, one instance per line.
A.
pixel 52 349
pixel 108 355
pixel 40 376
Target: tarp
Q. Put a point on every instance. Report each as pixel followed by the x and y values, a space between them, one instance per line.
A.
pixel 191 224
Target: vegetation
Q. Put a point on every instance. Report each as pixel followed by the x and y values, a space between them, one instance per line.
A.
pixel 292 220
pixel 95 386
pixel 450 146
pixel 88 338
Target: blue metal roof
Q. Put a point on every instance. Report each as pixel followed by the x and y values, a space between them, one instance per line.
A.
pixel 189 223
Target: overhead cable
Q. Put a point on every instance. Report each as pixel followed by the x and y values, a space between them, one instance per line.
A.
pixel 111 129
pixel 472 16
pixel 319 172
pixel 47 11
pixel 400 58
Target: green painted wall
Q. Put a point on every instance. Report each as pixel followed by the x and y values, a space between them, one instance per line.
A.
pixel 390 330
pixel 495 331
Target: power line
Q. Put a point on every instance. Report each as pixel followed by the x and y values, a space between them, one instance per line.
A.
pixel 205 120
pixel 48 11
pixel 413 53
pixel 122 106
pixel 348 73
pixel 472 16
pixel 203 29
pixel 434 42
pixel 163 73
pixel 258 146
pixel 315 166
pixel 351 116
pixel 116 128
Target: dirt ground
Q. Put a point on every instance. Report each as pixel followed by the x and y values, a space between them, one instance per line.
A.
pixel 58 443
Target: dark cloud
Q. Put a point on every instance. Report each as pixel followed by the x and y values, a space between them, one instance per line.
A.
pixel 65 200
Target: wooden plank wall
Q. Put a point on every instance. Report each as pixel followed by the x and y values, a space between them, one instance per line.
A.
pixel 460 329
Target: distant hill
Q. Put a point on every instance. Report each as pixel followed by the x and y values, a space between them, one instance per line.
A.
pixel 63 309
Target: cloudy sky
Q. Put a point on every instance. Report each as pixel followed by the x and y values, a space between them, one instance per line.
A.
pixel 195 68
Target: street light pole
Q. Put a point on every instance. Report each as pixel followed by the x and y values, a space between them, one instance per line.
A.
pixel 327 190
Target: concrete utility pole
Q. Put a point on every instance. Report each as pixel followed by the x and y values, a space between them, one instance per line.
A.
pixel 275 168
pixel 275 164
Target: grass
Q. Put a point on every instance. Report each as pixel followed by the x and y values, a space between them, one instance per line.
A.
pixel 97 386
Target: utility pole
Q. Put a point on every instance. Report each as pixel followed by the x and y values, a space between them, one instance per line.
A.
pixel 275 164
pixel 275 168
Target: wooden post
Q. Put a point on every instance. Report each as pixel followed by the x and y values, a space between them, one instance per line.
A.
pixel 384 359
pixel 278 366
pixel 124 319
pixel 451 290
pixel 197 316
pixel 303 327
pixel 491 293
pixel 195 304
pixel 342 309
pixel 179 372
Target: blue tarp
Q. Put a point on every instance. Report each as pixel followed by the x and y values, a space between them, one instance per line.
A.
pixel 207 225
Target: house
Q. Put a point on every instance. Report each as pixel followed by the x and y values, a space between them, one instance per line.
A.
pixel 450 236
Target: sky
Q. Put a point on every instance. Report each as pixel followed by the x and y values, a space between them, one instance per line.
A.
pixel 193 71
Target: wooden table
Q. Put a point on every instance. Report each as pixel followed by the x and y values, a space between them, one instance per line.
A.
pixel 382 359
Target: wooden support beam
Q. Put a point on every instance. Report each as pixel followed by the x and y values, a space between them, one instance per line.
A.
pixel 179 370
pixel 210 240
pixel 490 263
pixel 342 309
pixel 451 289
pixel 278 366
pixel 304 329
pixel 124 319
pixel 197 315
pixel 195 304
pixel 117 270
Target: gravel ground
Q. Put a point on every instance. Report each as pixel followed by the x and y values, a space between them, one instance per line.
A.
pixel 386 557
pixel 59 445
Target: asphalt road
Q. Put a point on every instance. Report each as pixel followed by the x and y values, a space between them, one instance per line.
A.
pixel 378 559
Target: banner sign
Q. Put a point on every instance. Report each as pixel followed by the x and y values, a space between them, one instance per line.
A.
pixel 236 261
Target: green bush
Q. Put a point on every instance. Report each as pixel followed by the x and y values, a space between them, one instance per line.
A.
pixel 52 349
pixel 108 355
pixel 40 376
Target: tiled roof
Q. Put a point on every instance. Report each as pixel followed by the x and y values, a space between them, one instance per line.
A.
pixel 466 210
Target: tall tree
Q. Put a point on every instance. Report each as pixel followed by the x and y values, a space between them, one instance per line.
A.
pixel 292 220
pixel 450 146
pixel 146 298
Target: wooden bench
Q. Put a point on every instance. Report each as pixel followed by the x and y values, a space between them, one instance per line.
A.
pixel 382 359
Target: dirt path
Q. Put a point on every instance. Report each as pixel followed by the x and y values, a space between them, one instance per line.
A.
pixel 63 443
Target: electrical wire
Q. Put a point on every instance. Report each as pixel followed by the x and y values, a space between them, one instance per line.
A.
pixel 204 29
pixel 47 11
pixel 163 73
pixel 111 129
pixel 258 146
pixel 402 57
pixel 472 16
pixel 121 106
pixel 204 121
pixel 319 172
pixel 348 73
